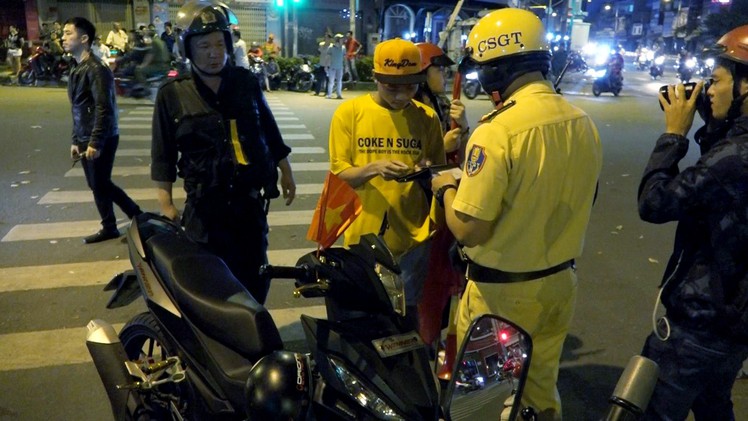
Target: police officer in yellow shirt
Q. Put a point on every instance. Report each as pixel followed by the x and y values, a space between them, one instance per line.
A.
pixel 524 199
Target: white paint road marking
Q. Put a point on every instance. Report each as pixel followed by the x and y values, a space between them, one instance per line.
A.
pixel 142 194
pixel 57 230
pixel 65 275
pixel 20 351
pixel 145 170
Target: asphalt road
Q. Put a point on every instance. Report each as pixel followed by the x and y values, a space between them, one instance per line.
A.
pixel 50 283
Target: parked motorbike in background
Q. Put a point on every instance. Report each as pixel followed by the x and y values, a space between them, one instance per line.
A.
pixel 43 66
pixel 257 67
pixel 300 77
pixel 206 349
pixel 656 69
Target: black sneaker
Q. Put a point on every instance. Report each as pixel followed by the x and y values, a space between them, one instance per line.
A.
pixel 100 236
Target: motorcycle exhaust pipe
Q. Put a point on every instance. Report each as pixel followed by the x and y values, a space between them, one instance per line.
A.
pixel 633 390
pixel 109 357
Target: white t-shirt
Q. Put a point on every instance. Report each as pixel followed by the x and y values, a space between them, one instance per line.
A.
pixel 240 54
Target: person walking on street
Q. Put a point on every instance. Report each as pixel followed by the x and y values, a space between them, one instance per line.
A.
pixel 352 48
pixel 322 71
pixel 336 53
pixel 214 128
pixel 95 132
pixel 525 196
pixel 378 137
pixel 702 340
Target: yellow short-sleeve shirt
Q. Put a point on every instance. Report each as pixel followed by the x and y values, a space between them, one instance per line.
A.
pixel 533 171
pixel 362 132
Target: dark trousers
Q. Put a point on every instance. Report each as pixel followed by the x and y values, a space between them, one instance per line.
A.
pixel 235 229
pixel 320 80
pixel 697 372
pixel 99 178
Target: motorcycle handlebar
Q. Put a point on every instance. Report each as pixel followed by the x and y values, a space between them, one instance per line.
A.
pixel 302 273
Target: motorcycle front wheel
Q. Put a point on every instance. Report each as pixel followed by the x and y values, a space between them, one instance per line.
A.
pixel 596 89
pixel 144 342
pixel 305 83
pixel 471 90
pixel 26 77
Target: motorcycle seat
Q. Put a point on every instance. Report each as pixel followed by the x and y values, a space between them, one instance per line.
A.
pixel 212 298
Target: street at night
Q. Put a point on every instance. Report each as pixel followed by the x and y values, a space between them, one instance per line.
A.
pixel 51 283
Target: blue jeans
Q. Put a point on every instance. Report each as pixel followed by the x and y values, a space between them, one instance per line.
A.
pixel 697 372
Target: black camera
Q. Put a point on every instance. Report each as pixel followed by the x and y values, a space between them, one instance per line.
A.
pixel 703 107
pixel 690 86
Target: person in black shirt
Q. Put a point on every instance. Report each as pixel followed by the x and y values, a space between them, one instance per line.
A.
pixel 214 129
pixel 95 132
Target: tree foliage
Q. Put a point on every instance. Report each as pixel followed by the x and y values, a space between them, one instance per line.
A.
pixel 718 24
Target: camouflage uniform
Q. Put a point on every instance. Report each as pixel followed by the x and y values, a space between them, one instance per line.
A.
pixel 705 286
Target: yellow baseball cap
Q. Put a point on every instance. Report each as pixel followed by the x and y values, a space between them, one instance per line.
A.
pixel 398 62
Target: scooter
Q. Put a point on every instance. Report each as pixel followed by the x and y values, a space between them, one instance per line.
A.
pixel 206 349
pixel 300 77
pixel 610 81
pixel 656 69
pixel 471 86
pixel 686 68
pixel 43 66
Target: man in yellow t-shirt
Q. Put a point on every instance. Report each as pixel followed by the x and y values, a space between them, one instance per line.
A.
pixel 524 200
pixel 379 137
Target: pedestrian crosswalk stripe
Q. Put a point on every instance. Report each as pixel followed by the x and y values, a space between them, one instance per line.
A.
pixel 141 108
pixel 57 230
pixel 292 126
pixel 136 118
pixel 286 118
pixel 277 113
pixel 146 170
pixel 307 150
pixel 297 136
pixel 135 126
pixel 141 194
pixel 135 137
pixel 147 137
pixel 21 351
pixel 85 274
pixel 140 112
pixel 147 152
pixel 133 152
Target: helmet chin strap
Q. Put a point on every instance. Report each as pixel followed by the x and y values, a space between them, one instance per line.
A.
pixel 497 100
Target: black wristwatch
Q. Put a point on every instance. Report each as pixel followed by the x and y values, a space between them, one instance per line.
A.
pixel 439 195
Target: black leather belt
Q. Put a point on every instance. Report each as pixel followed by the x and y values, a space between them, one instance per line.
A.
pixel 480 273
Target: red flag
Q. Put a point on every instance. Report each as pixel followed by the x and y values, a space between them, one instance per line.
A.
pixel 338 206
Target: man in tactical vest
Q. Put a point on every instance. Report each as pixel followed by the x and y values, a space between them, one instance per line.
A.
pixel 214 129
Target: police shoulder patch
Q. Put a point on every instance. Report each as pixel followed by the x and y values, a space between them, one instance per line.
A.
pixel 475 160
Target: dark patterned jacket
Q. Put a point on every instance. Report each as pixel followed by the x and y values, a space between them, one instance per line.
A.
pixel 93 102
pixel 706 280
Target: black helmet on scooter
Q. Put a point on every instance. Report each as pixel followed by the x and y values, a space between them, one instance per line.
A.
pixel 279 387
pixel 203 17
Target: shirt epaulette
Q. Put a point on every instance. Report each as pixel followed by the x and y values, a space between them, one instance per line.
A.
pixel 488 117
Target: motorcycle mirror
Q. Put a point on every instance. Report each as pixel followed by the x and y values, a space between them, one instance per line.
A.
pixel 490 371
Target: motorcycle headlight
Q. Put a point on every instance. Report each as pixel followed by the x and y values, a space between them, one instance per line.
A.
pixel 472 76
pixel 659 60
pixel 394 287
pixel 710 62
pixel 362 393
pixel 691 63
